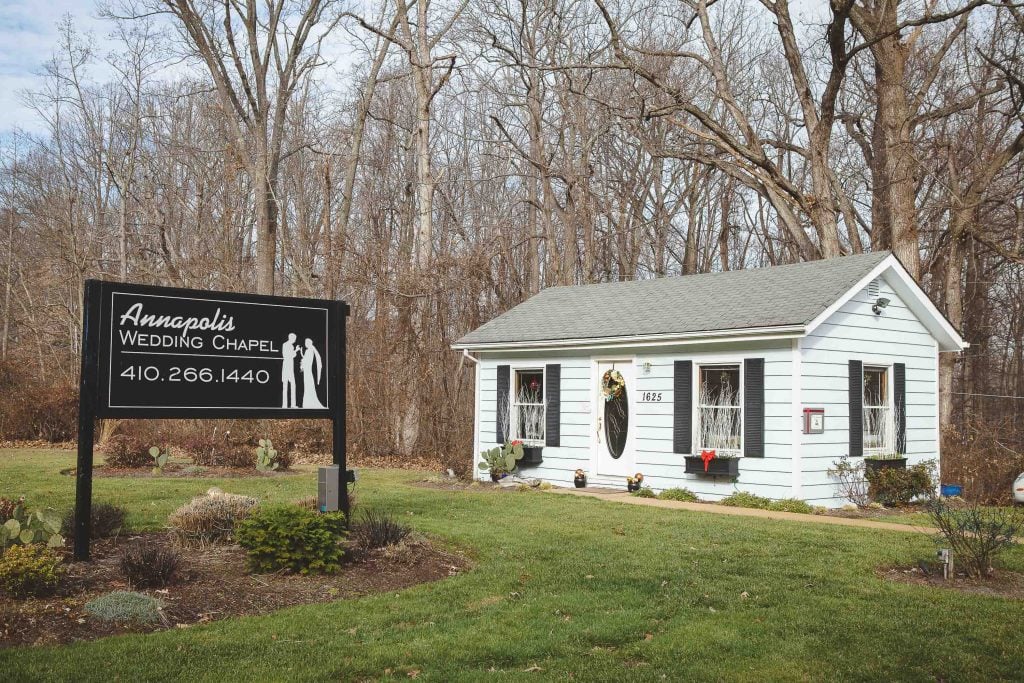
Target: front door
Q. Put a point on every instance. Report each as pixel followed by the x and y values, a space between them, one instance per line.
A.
pixel 613 417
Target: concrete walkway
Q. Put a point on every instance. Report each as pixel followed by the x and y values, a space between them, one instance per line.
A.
pixel 617 496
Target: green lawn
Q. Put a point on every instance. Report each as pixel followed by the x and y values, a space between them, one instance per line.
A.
pixel 566 586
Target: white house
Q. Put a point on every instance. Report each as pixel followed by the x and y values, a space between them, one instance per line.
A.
pixel 779 371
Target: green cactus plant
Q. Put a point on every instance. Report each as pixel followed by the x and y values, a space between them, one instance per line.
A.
pixel 159 459
pixel 26 527
pixel 266 456
pixel 502 459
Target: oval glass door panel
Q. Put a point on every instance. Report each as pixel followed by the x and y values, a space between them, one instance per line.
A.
pixel 616 423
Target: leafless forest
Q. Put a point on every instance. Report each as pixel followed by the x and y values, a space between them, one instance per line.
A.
pixel 462 156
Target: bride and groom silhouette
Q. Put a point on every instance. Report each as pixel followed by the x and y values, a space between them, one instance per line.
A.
pixel 308 357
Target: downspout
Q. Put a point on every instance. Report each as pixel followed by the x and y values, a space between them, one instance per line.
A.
pixel 476 408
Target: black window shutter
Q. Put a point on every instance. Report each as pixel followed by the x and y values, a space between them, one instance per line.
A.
pixel 753 407
pixel 682 407
pixel 856 409
pixel 899 384
pixel 553 395
pixel 501 415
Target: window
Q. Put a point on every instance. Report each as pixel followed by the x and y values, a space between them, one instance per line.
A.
pixel 528 406
pixel 719 412
pixel 878 428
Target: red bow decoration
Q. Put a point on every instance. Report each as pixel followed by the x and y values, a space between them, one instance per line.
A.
pixel 707 457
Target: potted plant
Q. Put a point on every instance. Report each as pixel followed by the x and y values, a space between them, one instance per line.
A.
pixel 501 461
pixel 635 483
pixel 873 462
pixel 713 463
pixel 580 479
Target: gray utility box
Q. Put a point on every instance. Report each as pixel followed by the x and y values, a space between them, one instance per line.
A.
pixel 328 497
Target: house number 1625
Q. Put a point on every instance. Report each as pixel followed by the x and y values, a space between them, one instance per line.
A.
pixel 650 397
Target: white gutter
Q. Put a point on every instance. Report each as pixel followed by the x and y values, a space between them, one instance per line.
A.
pixel 746 334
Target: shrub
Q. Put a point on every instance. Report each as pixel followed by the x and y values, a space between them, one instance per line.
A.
pixel 219 450
pixel 684 495
pixel 126 450
pixel 895 487
pixel 791 505
pixel 742 499
pixel 377 530
pixel 210 518
pixel 975 534
pixel 106 519
pixel 850 479
pixel 34 408
pixel 125 607
pixel 978 459
pixel 30 570
pixel 150 565
pixel 290 538
pixel 644 492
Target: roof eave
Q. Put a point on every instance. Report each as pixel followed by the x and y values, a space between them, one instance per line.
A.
pixel 913 295
pixel 715 336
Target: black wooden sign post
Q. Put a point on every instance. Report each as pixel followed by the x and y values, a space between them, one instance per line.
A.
pixel 161 352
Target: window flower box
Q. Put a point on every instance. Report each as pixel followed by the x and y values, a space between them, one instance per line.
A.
pixel 717 467
pixel 532 455
pixel 888 463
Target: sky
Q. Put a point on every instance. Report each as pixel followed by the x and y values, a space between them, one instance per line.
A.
pixel 28 36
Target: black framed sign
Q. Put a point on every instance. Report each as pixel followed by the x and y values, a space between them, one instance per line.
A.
pixel 164 352
pixel 167 352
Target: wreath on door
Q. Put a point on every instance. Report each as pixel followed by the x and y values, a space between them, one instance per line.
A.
pixel 612 385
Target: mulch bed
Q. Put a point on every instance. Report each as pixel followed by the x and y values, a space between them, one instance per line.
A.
pixel 214 585
pixel 1001 583
pixel 183 470
pixel 453 484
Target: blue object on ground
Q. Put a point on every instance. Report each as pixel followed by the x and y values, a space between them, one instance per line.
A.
pixel 950 490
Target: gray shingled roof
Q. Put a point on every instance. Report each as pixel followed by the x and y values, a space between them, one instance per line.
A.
pixel 761 297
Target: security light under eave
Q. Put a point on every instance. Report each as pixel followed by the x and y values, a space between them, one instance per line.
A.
pixel 879 305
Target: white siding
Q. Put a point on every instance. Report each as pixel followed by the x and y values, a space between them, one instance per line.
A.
pixel 854 332
pixel 651 423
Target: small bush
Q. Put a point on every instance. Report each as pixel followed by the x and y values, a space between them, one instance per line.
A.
pixel 644 492
pixel 210 518
pixel 897 487
pixel 30 570
pixel 106 520
pixel 290 538
pixel 850 480
pixel 219 450
pixel 791 505
pixel 742 499
pixel 34 408
pixel 126 450
pixel 125 607
pixel 377 530
pixel 683 495
pixel 150 565
pixel 975 534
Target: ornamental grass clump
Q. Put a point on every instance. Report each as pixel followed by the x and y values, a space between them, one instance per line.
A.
pixel 289 538
pixel 30 570
pixel 150 565
pixel 125 607
pixel 377 530
pixel 210 518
